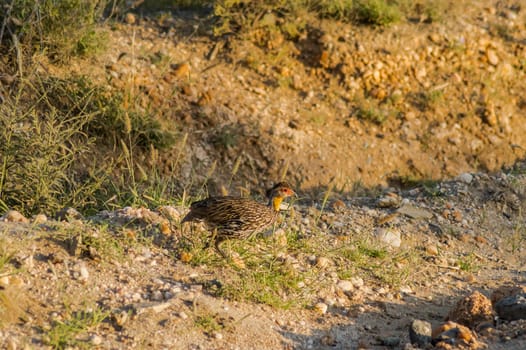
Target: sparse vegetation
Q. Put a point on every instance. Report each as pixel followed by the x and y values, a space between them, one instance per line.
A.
pixel 65 333
pixel 59 28
pixel 377 12
pixel 137 133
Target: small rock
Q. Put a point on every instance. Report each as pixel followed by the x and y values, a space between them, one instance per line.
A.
pixel 338 205
pixel 15 216
pixel 390 342
pixel 414 212
pixel 156 307
pixel 465 178
pixel 84 273
pixel 321 308
pixel 322 262
pixel 452 333
pixel 157 296
pixel 182 315
pixel 345 286
pixel 67 214
pixel 357 282
pixel 472 310
pixel 506 291
pixel 492 57
pixel 420 332
pixel 130 18
pixel 406 290
pixel 170 212
pixel 217 335
pixel 4 281
pixel 389 200
pixel 95 339
pixel 432 249
pixel 181 70
pixel 39 219
pixel 389 236
pixel 512 308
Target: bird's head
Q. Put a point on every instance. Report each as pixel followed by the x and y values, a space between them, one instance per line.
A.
pixel 277 193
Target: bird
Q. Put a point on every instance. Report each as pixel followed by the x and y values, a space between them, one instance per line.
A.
pixel 231 217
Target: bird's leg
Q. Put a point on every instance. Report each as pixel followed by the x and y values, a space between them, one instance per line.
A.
pixel 211 239
pixel 217 242
pixel 219 250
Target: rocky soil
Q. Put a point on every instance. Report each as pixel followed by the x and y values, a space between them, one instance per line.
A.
pixel 406 145
pixel 370 272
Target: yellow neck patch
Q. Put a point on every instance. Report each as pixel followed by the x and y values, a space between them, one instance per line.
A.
pixel 276 202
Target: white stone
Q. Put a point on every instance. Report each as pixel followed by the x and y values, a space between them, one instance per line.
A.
pixel 321 308
pixel 465 178
pixel 345 286
pixel 357 282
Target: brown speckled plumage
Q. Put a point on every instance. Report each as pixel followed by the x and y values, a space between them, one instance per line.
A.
pixel 238 218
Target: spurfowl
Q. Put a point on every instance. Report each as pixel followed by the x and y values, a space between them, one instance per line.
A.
pixel 238 218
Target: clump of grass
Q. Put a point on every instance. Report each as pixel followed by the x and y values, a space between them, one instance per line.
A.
pixel 376 12
pixel 49 130
pixel 64 334
pixel 36 153
pixel 61 29
pixel 371 111
pixel 468 263
pixel 271 284
pixel 208 323
pixel 287 17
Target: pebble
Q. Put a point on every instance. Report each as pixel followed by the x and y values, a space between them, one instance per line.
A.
pixel 506 291
pixel 466 178
pixel 130 18
pixel 390 342
pixel 39 219
pixel 95 339
pixel 182 315
pixel 389 236
pixel 323 262
pixel 512 307
pixel 432 249
pixel 15 216
pixel 414 212
pixel 493 59
pixel 157 295
pixel 389 200
pixel 406 290
pixel 321 308
pixel 345 286
pixel 67 214
pixel 338 205
pixel 4 281
pixel 156 307
pixel 84 273
pixel 420 332
pixel 453 333
pixel 357 282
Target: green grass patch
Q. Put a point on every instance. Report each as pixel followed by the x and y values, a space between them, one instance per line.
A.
pixel 64 334
pixel 468 263
pixel 267 282
pixel 52 132
pixel 377 12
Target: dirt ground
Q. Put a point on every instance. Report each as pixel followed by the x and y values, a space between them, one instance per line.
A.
pixel 363 122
